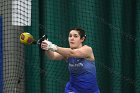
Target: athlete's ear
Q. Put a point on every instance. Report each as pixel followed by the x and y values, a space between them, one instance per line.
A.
pixel 82 39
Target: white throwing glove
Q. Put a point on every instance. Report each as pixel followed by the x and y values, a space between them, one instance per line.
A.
pixel 51 47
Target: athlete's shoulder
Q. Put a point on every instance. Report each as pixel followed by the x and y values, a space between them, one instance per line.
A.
pixel 87 47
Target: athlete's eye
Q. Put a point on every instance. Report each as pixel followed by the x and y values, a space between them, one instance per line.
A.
pixel 70 35
pixel 75 36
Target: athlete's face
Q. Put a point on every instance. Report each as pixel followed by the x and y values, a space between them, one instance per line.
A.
pixel 74 39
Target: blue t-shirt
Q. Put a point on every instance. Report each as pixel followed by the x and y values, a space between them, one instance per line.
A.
pixel 82 76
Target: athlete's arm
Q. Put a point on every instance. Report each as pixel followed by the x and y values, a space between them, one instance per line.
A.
pixel 83 52
pixel 51 54
pixel 54 55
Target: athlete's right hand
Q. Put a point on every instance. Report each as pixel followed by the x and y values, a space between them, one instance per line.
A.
pixel 47 45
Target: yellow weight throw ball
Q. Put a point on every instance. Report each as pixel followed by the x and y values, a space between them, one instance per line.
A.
pixel 26 38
